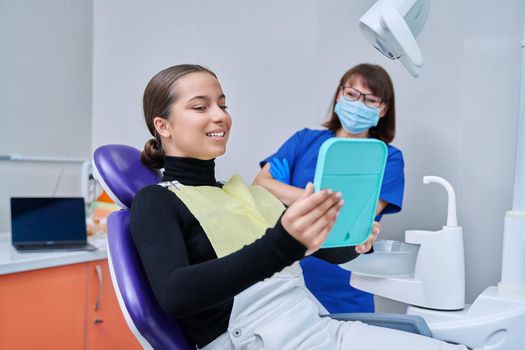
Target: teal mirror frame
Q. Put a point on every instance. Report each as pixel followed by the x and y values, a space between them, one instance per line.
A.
pixel 354 167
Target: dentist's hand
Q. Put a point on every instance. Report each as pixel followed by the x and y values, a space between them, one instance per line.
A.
pixel 280 170
pixel 363 248
pixel 311 217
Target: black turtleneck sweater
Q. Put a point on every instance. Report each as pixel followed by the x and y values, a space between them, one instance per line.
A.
pixel 191 284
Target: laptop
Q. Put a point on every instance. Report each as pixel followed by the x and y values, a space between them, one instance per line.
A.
pixel 49 224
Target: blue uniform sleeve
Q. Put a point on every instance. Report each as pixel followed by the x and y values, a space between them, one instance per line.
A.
pixel 393 185
pixel 287 150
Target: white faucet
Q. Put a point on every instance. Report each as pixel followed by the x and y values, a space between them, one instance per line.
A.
pixel 452 220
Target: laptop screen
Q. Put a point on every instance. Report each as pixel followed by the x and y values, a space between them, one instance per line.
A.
pixel 35 220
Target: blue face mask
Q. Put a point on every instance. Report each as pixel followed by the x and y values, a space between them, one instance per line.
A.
pixel 355 116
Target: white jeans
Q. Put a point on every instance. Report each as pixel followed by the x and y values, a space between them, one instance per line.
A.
pixel 280 314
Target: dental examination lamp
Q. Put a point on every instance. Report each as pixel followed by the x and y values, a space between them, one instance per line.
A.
pixel 417 272
pixel 392 26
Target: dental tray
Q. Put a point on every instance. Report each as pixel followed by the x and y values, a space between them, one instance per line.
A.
pixel 355 168
pixel 390 259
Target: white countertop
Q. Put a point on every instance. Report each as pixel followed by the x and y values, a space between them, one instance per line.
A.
pixel 12 261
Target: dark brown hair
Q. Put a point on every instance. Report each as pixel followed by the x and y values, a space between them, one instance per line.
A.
pixel 159 95
pixel 376 79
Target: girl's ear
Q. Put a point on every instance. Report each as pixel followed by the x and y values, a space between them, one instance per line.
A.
pixel 162 126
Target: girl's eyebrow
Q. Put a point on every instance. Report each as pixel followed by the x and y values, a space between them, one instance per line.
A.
pixel 204 97
pixel 198 97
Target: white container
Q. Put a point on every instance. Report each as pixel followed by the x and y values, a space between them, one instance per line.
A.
pixel 389 259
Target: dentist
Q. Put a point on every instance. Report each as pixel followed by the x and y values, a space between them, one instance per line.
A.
pixel 363 106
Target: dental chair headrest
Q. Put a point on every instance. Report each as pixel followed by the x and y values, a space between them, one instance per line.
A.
pixel 121 173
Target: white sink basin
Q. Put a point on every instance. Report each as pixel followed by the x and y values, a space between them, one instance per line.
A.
pixel 389 259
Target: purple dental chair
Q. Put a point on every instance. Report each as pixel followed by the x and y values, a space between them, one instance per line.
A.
pixel 120 172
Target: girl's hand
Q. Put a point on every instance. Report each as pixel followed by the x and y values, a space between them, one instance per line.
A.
pixel 363 248
pixel 311 217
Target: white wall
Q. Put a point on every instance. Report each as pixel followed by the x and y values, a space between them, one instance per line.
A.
pixel 45 94
pixel 279 63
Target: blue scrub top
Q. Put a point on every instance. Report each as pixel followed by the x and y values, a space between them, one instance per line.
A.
pixel 330 283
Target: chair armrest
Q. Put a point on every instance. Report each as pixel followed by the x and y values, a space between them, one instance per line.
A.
pixel 408 323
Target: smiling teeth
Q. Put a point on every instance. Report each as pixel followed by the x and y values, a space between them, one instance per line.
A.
pixel 216 134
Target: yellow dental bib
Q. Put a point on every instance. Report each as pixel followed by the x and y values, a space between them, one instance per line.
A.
pixel 232 216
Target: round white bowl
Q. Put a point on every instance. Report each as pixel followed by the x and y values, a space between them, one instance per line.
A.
pixel 389 259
